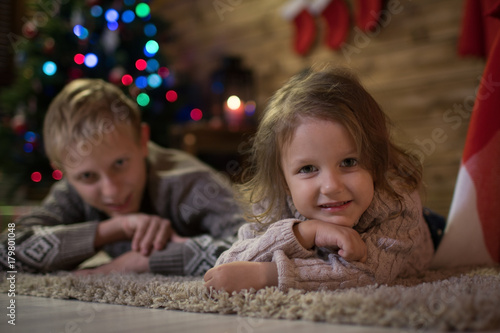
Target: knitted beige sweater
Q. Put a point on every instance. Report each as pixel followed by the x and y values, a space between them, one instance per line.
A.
pixel 396 247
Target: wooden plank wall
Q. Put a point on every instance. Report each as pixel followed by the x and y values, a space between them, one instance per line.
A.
pixel 410 65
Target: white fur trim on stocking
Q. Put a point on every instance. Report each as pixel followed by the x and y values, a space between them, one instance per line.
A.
pixel 317 6
pixel 293 8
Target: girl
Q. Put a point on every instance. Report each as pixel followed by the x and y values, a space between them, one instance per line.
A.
pixel 335 202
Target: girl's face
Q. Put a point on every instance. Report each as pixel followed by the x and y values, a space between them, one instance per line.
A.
pixel 324 178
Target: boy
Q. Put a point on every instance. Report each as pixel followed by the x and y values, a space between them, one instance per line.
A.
pixel 151 209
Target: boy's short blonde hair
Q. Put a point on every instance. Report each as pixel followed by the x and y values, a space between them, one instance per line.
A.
pixel 81 114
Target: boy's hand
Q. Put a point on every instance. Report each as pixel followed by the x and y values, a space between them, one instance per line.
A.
pixel 239 275
pixel 147 232
pixel 128 262
pixel 346 240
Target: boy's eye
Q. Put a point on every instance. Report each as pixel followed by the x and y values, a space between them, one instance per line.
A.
pixel 120 163
pixel 308 169
pixel 87 177
pixel 349 162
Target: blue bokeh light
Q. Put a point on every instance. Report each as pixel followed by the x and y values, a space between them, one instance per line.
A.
pixel 141 82
pixel 96 11
pixel 111 15
pixel 154 80
pixel 128 16
pixel 49 68
pixel 150 30
pixel 152 65
pixel 91 60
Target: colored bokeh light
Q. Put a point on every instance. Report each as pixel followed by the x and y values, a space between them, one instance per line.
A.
pixel 154 80
pixel 80 31
pixel 36 176
pixel 28 147
pixel 152 65
pixel 91 60
pixel 163 72
pixel 49 68
pixel 141 64
pixel 171 96
pixel 127 79
pixel 250 107
pixel 142 10
pixel 30 136
pixel 152 47
pixel 128 16
pixel 196 114
pixel 111 15
pixel 57 174
pixel 143 99
pixel 96 11
pixel 112 25
pixel 141 82
pixel 150 30
pixel 79 58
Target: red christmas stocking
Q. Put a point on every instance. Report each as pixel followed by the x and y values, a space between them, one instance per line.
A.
pixel 336 14
pixel 305 27
pixel 367 14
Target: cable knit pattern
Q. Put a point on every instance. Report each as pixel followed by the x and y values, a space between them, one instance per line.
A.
pixel 397 247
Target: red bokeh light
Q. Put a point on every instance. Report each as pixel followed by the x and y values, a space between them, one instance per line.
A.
pixel 196 114
pixel 79 58
pixel 127 79
pixel 141 64
pixel 36 176
pixel 171 96
pixel 57 174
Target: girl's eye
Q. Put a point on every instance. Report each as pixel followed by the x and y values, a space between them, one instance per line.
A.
pixel 308 169
pixel 349 162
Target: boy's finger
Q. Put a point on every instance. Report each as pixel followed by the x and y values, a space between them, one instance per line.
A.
pixel 138 235
pixel 163 235
pixel 148 238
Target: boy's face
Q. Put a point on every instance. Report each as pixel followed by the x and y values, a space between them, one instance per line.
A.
pixel 324 178
pixel 111 176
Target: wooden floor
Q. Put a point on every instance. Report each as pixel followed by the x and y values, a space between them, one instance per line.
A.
pixel 46 315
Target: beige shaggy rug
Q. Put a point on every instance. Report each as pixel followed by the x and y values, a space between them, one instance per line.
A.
pixel 454 299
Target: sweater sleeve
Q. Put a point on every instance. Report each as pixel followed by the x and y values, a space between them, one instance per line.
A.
pixel 54 236
pixel 396 247
pixel 194 257
pixel 253 246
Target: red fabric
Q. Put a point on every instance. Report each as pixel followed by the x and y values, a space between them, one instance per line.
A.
pixel 482 148
pixel 305 31
pixel 337 16
pixel 367 14
pixel 479 27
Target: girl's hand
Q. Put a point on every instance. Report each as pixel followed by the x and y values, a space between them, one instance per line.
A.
pixel 239 275
pixel 346 240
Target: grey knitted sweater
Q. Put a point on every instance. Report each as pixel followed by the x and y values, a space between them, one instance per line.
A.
pixel 396 247
pixel 198 202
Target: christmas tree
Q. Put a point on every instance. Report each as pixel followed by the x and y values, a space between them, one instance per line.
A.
pixel 117 41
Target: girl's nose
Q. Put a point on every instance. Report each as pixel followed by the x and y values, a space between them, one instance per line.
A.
pixel 331 182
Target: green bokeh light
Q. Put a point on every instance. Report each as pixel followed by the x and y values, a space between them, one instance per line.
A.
pixel 143 99
pixel 142 10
